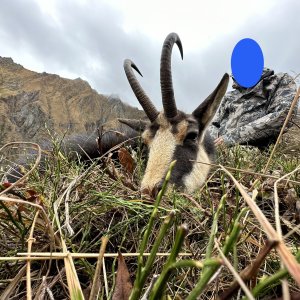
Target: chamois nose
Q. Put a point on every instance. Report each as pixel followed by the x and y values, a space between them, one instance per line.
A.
pixel 153 192
pixel 156 189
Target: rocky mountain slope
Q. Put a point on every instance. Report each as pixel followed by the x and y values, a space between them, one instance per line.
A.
pixel 31 103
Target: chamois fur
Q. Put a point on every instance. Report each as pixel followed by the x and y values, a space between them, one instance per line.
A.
pixel 78 146
pixel 169 135
pixel 172 134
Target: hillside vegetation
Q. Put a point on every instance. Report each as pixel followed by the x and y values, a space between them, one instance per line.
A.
pixel 82 230
pixel 78 208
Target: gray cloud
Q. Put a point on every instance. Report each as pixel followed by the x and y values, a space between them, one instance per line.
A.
pixel 88 40
pixel 277 35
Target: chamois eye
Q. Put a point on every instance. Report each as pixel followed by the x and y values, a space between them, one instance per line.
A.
pixel 192 136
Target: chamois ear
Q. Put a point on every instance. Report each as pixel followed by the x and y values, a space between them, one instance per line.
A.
pixel 207 109
pixel 137 125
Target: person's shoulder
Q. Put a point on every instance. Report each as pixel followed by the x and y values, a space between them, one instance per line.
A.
pixel 232 94
pixel 283 78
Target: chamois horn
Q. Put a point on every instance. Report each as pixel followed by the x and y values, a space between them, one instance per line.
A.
pixel 167 92
pixel 140 94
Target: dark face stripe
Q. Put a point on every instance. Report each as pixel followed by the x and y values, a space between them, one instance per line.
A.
pixel 209 146
pixel 153 129
pixel 176 139
pixel 176 120
pixel 183 155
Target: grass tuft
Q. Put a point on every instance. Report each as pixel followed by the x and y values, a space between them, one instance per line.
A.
pixel 70 207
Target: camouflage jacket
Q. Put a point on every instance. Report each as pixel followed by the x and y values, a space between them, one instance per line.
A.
pixel 255 115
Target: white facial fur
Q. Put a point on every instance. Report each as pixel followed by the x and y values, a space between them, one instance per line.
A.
pixel 162 147
pixel 199 173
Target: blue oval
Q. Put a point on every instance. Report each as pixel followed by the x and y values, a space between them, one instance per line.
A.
pixel 247 62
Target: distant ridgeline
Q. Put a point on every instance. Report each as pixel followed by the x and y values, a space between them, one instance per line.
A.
pixel 31 103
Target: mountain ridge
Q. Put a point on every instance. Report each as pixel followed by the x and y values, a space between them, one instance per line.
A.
pixel 32 103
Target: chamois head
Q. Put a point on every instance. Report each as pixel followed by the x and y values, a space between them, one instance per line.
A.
pixel 172 134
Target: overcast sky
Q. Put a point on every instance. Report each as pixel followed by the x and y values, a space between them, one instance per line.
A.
pixel 90 39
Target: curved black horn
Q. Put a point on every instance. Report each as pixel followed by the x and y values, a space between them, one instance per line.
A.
pixel 167 92
pixel 140 94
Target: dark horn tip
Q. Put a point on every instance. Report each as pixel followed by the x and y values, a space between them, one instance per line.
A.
pixel 180 48
pixel 176 38
pixel 178 42
pixel 129 63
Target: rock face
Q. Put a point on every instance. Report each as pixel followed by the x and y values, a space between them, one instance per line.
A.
pixel 31 104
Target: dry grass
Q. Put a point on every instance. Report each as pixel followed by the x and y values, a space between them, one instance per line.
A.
pixel 70 207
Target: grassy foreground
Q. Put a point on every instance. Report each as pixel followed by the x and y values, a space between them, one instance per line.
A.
pixel 61 230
